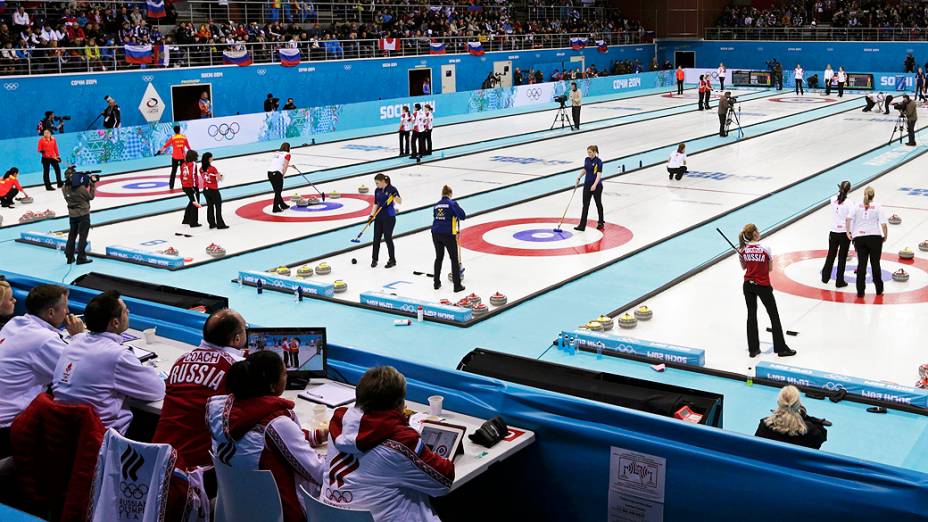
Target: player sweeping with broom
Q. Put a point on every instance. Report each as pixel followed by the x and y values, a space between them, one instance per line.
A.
pixel 384 217
pixel 592 175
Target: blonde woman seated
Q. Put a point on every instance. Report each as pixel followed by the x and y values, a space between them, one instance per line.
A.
pixel 789 422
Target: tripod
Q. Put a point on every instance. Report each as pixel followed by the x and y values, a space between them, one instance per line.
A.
pixel 900 127
pixel 733 116
pixel 562 115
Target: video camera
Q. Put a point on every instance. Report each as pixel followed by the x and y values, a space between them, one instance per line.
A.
pixel 81 178
pixel 62 118
pixel 562 99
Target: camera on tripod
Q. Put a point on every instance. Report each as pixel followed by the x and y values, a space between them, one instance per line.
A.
pixel 81 178
pixel 562 99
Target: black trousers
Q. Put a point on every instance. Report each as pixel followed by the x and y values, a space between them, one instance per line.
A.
pixel 778 80
pixel 416 143
pixel 721 83
pixel 799 87
pixel 213 208
pixel 596 195
pixel 910 127
pixel 869 248
pixel 383 230
pixel 679 86
pixel 575 114
pixel 827 87
pixel 175 164
pixel 677 171
pixel 722 132
pixel 703 100
pixel 887 103
pixel 427 141
pixel 50 162
pixel 277 183
pixel 442 243
pixel 8 200
pixel 870 105
pixel 292 359
pixel 191 215
pixel 404 143
pixel 751 292
pixel 80 227
pixel 840 89
pixel 838 245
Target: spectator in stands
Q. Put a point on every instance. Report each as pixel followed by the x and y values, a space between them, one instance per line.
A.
pixel 7 303
pixel 32 346
pixel 195 377
pixel 97 369
pixel 790 423
pixel 92 55
pixel 395 473
pixel 254 428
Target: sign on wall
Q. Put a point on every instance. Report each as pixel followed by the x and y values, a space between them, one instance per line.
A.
pixel 151 106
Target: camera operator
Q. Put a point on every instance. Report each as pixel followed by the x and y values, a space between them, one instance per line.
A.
pixel 79 190
pixel 271 103
pixel 52 123
pixel 111 115
pixel 289 106
pixel 724 103
pixel 48 149
pixel 908 109
pixel 576 98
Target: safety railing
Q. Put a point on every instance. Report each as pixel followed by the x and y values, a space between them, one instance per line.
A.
pixel 821 33
pixel 85 59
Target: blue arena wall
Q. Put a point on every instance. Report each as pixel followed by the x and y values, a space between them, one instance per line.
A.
pixel 564 475
pixel 242 90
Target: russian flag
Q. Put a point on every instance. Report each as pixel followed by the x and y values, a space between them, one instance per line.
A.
pixel 156 8
pixel 577 43
pixel 475 48
pixel 138 54
pixel 602 46
pixel 436 48
pixel 289 56
pixel 241 58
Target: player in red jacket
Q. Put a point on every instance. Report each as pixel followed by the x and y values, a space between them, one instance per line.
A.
pixel 179 147
pixel 757 262
pixel 190 182
pixel 211 178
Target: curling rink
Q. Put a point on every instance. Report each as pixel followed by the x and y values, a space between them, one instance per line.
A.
pixel 514 177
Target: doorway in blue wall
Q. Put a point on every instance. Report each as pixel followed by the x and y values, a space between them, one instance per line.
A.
pixel 420 81
pixel 685 59
pixel 185 100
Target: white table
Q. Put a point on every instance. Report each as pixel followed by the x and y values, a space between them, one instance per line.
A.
pixel 475 460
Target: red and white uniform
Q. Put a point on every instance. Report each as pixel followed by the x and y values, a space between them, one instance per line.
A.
pixel 210 178
pixel 867 220
pixel 188 175
pixel 280 162
pixel 179 146
pixel 428 120
pixel 264 433
pixel 418 123
pixel 839 214
pixel 195 377
pixel 406 122
pixel 704 86
pixel 377 462
pixel 293 346
pixel 756 259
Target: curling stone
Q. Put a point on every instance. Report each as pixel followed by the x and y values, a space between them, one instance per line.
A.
pixel 606 321
pixel 923 246
pixel 170 251
pixel 302 202
pixel 895 220
pixel 214 250
pixel 474 299
pixel 480 309
pixel 313 201
pixel 643 313
pixel 627 321
pixel 463 303
pixel 446 302
pixel 906 253
pixel 323 268
pixel 594 326
pixel 334 195
pixel 340 286
pixel 48 214
pixel 363 189
pixel 28 217
pixel 451 278
pixel 25 200
pixel 901 276
pixel 498 299
pixel 283 270
pixel 304 271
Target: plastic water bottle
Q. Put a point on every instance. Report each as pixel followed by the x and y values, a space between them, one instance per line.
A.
pixel 600 346
pixel 572 346
pixel 260 286
pixel 560 341
pixel 420 314
pixel 299 294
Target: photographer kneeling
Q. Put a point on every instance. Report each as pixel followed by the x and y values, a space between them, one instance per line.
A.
pixel 79 189
pixel 908 109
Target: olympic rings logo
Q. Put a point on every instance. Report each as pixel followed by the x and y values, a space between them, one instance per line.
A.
pixel 262 72
pixel 134 491
pixel 11 86
pixel 832 386
pixel 338 496
pixel 533 93
pixel 224 130
pixel 347 67
pixel 147 78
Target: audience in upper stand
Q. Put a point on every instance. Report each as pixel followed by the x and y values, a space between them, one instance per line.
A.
pixel 394 472
pixel 254 428
pixel 790 423
pixel 97 369
pixel 836 13
pixel 195 377
pixel 30 347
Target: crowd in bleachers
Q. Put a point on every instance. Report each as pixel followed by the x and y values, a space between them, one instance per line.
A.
pixel 836 13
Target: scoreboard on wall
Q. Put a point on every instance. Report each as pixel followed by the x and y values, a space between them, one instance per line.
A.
pixel 858 81
pixel 751 79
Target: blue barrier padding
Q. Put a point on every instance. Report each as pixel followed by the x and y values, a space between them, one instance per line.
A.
pixel 628 345
pixel 144 256
pixel 409 305
pixel 286 283
pixel 871 389
pixel 48 239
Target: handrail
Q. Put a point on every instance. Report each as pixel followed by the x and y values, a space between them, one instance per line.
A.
pixel 75 59
pixel 817 33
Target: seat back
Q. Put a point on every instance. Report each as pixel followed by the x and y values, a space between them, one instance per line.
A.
pixel 246 495
pixel 319 511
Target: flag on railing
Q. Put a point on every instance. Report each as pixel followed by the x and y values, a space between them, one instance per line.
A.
pixel 289 56
pixel 602 46
pixel 161 55
pixel 577 43
pixel 436 48
pixel 390 44
pixel 156 8
pixel 475 48
pixel 138 54
pixel 241 58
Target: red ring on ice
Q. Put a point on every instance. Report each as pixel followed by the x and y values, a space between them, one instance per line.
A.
pixel 104 182
pixel 255 211
pixel 472 238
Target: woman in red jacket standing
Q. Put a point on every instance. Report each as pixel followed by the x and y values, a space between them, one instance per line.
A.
pixel 705 90
pixel 211 178
pixel 48 148
pixel 757 262
pixel 189 181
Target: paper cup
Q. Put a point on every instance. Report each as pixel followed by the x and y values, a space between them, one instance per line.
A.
pixel 149 335
pixel 435 403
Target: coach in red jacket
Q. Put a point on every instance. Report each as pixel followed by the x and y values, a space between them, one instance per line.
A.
pixel 48 148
